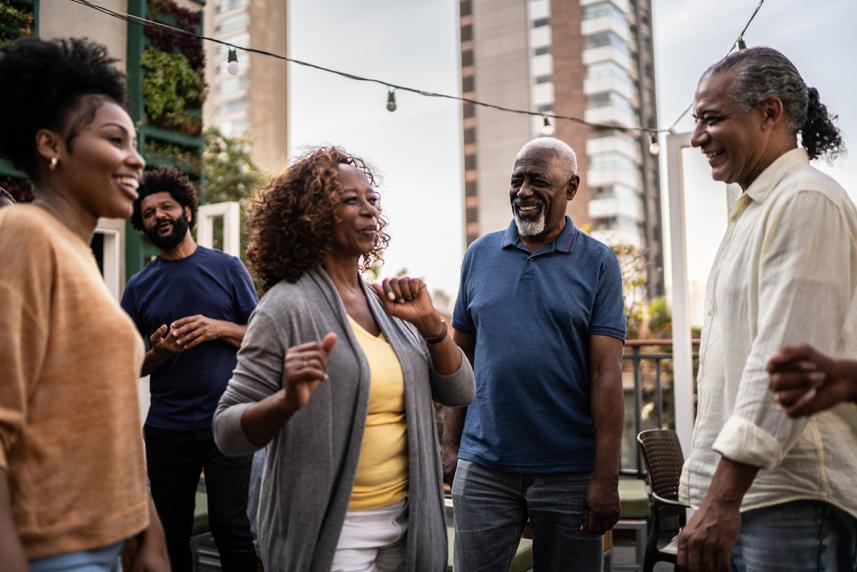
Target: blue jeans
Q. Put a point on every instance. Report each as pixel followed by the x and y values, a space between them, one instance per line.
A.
pixel 800 536
pixel 491 508
pixel 105 559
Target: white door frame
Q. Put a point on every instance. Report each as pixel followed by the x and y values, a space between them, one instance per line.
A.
pixel 231 214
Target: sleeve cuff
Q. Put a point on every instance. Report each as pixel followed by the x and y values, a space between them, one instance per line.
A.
pixel 744 442
pixel 228 432
pixel 455 389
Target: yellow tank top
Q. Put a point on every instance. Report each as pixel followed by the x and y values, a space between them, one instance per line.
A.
pixel 382 470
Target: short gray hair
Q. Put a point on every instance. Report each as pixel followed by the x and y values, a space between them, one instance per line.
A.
pixel 764 72
pixel 560 148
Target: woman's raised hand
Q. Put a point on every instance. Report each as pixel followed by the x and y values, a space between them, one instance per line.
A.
pixel 305 369
pixel 408 299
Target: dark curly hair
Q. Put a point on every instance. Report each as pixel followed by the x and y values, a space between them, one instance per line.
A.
pixel 165 180
pixel 764 72
pixel 291 219
pixel 57 85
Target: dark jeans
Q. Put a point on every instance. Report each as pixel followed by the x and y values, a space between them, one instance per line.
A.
pixel 491 508
pixel 175 460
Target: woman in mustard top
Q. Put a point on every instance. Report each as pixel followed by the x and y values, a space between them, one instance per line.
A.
pixel 337 378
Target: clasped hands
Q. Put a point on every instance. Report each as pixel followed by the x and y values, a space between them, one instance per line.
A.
pixel 185 333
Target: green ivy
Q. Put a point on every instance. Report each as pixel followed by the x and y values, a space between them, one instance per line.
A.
pixel 17 21
pixel 170 86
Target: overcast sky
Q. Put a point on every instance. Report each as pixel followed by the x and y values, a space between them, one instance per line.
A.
pixel 417 149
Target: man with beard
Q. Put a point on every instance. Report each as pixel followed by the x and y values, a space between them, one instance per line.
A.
pixel 193 304
pixel 540 315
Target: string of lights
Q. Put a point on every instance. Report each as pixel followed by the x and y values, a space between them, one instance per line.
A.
pixel 392 88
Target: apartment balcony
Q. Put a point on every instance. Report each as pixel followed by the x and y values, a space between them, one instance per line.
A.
pixel 623 144
pixel 614 207
pixel 607 24
pixel 623 5
pixel 610 115
pixel 608 176
pixel 606 83
pixel 609 54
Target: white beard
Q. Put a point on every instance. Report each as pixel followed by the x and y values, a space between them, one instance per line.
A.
pixel 530 227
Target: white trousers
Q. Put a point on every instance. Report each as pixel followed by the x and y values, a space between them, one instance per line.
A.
pixel 373 540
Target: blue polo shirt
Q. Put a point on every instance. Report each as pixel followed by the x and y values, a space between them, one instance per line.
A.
pixel 533 315
pixel 186 388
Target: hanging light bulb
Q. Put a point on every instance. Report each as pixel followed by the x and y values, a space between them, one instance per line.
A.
pixel 391 100
pixel 232 62
pixel 547 128
pixel 654 146
pixel 740 45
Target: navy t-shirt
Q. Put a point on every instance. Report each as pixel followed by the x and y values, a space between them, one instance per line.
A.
pixel 186 388
pixel 533 315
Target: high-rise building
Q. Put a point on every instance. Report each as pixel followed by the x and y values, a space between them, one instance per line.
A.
pixel 253 103
pixel 591 59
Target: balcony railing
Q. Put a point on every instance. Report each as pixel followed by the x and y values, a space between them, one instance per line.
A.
pixel 647 380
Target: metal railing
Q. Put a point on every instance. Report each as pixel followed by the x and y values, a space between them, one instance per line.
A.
pixel 647 379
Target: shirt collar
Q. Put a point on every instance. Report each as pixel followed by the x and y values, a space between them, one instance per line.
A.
pixel 561 243
pixel 759 190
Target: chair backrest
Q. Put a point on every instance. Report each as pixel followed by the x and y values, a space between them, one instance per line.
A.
pixel 663 457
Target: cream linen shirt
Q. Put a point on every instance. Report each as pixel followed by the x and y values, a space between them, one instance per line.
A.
pixel 786 272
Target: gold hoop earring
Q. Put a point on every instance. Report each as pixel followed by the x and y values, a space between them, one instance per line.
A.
pixel 54 162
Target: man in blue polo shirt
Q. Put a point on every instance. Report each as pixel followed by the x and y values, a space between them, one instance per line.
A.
pixel 192 303
pixel 540 314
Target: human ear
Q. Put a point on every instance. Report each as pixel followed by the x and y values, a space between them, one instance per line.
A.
pixel 573 183
pixel 773 112
pixel 49 144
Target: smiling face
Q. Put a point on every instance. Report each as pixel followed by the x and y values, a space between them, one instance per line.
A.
pixel 735 141
pixel 357 213
pixel 102 168
pixel 541 187
pixel 165 221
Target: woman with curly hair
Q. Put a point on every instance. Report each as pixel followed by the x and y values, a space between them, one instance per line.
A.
pixel 72 470
pixel 337 378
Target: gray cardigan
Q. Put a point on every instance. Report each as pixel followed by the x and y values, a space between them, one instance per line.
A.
pixel 312 460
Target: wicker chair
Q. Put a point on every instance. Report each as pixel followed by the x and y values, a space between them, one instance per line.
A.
pixel 663 457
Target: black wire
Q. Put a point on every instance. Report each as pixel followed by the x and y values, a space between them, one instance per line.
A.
pixel 131 19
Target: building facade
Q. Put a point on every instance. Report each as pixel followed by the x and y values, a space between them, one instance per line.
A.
pixel 252 103
pixel 591 59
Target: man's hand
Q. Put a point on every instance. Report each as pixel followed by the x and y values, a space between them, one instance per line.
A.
pixel 601 505
pixel 449 460
pixel 706 543
pixel 305 369
pixel 806 381
pixel 194 330
pixel 164 342
pixel 151 554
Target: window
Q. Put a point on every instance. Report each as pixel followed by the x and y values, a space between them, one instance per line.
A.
pixel 611 70
pixel 465 8
pixel 232 85
pixel 542 50
pixel 470 189
pixel 607 39
pixel 603 9
pixel 467 84
pixel 547 78
pixel 539 22
pixel 545 108
pixel 232 23
pixel 469 135
pixel 228 5
pixel 467 58
pixel 466 33
pixel 233 106
pixel 469 162
pixel 472 215
pixel 468 109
